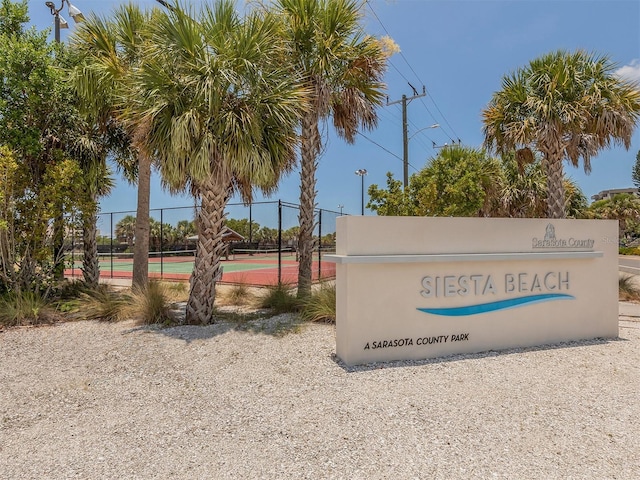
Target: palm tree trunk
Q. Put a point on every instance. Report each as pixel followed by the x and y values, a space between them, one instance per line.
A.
pixel 90 260
pixel 207 269
pixel 310 147
pixel 141 247
pixel 555 187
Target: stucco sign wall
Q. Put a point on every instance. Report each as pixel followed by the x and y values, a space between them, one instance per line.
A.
pixel 417 287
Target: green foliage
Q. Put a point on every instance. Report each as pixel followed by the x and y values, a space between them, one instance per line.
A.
pixel 26 308
pixel 41 177
pixel 105 304
pixel 459 181
pixel 150 305
pixel 391 201
pixel 562 104
pixel 629 250
pixel 455 183
pixel 465 182
pixel 13 15
pixel 239 294
pixel 321 305
pixel 623 207
pixel 281 298
pixel 635 172
pixel 126 230
pixel 241 226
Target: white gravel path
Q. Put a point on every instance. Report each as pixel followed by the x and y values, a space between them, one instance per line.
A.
pixel 95 400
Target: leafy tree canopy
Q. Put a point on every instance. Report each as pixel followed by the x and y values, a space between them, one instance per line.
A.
pixel 466 182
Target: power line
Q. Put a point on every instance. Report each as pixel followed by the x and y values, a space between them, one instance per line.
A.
pixel 455 135
pixel 385 149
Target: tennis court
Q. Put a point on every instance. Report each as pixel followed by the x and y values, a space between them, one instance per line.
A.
pixel 250 267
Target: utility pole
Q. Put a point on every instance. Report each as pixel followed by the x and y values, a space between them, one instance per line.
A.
pixel 405 129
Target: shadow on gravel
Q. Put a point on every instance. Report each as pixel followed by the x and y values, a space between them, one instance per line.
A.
pixel 276 325
pixel 472 356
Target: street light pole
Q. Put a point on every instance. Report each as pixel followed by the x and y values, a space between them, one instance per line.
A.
pixel 361 173
pixel 58 21
pixel 340 207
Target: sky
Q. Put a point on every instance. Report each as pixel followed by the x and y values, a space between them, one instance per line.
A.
pixel 457 51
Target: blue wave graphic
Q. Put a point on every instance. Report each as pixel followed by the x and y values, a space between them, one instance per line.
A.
pixel 494 306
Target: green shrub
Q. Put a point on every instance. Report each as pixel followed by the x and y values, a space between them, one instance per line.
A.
pixel 321 305
pixel 151 305
pixel 629 250
pixel 26 308
pixel 239 294
pixel 103 303
pixel 280 298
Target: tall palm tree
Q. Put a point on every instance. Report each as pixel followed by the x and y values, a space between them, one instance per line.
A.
pixel 566 106
pixel 342 68
pixel 126 230
pixel 89 148
pixel 221 110
pixel 112 50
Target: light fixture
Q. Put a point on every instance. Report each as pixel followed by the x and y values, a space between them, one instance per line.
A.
pixel 75 13
pixel 60 22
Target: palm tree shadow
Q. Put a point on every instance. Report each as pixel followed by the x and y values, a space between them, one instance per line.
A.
pixel 264 322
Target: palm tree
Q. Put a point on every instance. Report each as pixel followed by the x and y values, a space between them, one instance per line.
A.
pixel 112 50
pixel 221 111
pixel 623 207
pixel 342 68
pixel 566 106
pixel 126 230
pixel 90 149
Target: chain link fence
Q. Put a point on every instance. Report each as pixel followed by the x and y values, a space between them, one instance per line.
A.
pixel 261 249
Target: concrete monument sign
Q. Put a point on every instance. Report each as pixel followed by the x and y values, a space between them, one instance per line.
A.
pixel 424 287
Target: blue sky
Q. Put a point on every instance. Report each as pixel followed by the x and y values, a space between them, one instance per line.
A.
pixel 459 51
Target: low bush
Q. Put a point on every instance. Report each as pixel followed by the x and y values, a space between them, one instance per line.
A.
pixel 239 294
pixel 104 303
pixel 321 305
pixel 151 305
pixel 627 288
pixel 629 250
pixel 26 308
pixel 281 298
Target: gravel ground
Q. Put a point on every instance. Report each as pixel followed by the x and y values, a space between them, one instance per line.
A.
pixel 96 400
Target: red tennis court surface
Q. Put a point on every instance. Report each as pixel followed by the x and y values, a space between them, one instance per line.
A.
pixel 248 271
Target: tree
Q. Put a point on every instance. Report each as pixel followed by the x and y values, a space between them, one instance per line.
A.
pixel 126 230
pixel 220 110
pixel 566 106
pixel 524 191
pixel 623 207
pixel 635 173
pixel 242 226
pixel 465 182
pixel 184 229
pixel 459 181
pixel 392 201
pixel 112 51
pixel 40 178
pixel 342 69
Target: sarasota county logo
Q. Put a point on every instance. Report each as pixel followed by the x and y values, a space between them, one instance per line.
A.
pixel 551 241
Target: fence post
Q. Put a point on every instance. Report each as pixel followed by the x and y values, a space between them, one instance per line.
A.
pixel 319 244
pixel 250 226
pixel 279 242
pixel 111 244
pixel 161 244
